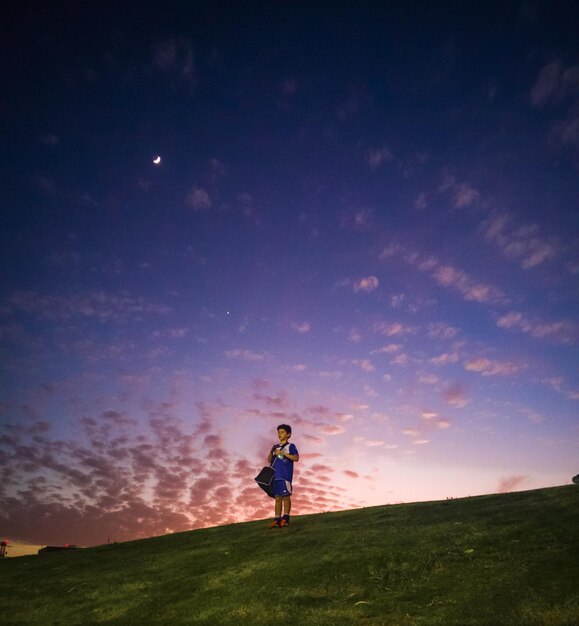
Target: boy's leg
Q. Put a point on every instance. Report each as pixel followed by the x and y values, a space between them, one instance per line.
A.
pixel 278 504
pixel 287 506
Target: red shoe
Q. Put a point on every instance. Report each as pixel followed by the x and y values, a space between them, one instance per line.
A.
pixel 276 524
pixel 283 523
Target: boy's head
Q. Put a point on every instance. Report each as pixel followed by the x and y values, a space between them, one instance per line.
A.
pixel 284 432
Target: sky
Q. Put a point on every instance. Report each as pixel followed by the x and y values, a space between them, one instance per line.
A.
pixel 357 218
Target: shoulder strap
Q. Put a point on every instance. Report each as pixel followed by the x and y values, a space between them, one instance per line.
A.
pixel 274 456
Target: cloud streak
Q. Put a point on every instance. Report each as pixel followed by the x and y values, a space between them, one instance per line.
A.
pixel 99 305
pixel 564 331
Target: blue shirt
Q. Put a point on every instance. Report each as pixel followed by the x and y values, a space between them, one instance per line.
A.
pixel 284 468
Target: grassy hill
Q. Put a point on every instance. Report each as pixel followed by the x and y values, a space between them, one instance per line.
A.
pixel 509 559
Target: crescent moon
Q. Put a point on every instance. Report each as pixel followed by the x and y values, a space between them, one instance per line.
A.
pixel 157 160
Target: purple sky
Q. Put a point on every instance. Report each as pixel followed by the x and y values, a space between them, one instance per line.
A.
pixel 364 223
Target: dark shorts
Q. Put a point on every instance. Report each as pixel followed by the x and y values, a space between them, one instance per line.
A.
pixel 282 488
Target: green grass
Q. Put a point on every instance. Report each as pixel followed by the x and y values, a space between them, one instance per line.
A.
pixel 508 559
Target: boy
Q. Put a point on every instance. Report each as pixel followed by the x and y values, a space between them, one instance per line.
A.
pixel 283 455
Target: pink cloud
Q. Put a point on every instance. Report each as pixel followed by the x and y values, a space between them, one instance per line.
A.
pixel 366 284
pixel 456 395
pixel 444 359
pixel 244 355
pixel 393 329
pixel 277 401
pixel 524 243
pixel 389 349
pixel 318 410
pixel 373 443
pixel 122 484
pixel 448 276
pixel 563 331
pixel 318 467
pixel 400 359
pixel 332 429
pixel 464 195
pixel 510 483
pixel 198 199
pixel 489 367
pixel 440 330
pixel 313 439
pixel 364 365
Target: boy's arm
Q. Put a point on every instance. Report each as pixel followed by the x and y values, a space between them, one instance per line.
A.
pixel 292 453
pixel 270 455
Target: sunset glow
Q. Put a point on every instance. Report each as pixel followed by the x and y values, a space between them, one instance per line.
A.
pixel 364 224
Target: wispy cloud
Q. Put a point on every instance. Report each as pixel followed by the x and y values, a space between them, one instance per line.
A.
pixel 433 419
pixel 245 355
pixel 557 87
pixel 510 483
pixel 198 199
pixel 428 379
pixel 394 329
pixel 371 443
pixel 364 364
pixel 446 275
pixel 558 384
pixel 445 358
pixel 377 157
pixel 421 201
pixel 554 83
pixel 523 243
pixel 400 359
pixel 389 349
pixel 489 367
pixel 440 330
pixel 357 219
pixel 463 194
pixel 176 58
pixel 367 285
pixel 97 304
pixel 456 395
pixel 564 331
pixel 170 333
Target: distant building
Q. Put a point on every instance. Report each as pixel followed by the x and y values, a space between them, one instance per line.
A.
pixel 47 549
pixel 3 546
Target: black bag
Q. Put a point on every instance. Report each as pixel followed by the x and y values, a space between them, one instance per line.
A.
pixel 266 477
